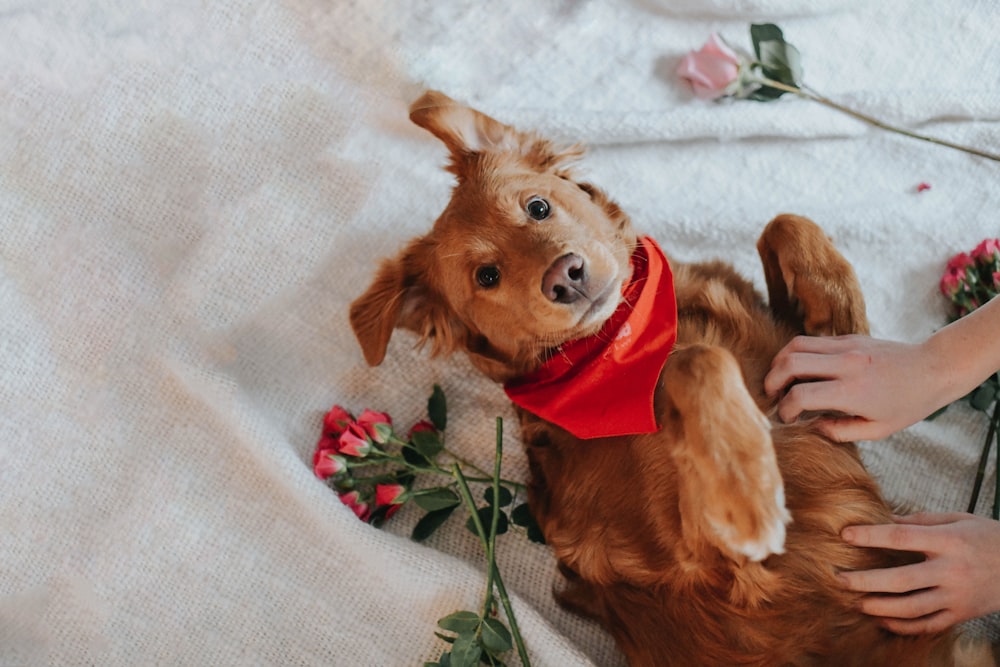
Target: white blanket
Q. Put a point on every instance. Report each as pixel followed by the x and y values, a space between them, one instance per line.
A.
pixel 191 194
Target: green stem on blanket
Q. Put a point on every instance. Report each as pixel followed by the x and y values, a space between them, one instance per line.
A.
pixel 455 456
pixel 816 97
pixel 493 578
pixel 995 427
pixel 382 458
pixel 465 462
pixel 992 435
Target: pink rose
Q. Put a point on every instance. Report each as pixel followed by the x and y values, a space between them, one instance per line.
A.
pixel 354 441
pixel 390 494
pixel 378 425
pixel 354 500
pixel 327 463
pixel 423 426
pixel 336 421
pixel 987 250
pixel 711 69
pixel 955 275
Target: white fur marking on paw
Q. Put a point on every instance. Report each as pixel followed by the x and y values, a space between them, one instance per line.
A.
pixel 772 539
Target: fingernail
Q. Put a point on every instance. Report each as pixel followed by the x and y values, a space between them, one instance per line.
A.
pixel 847 534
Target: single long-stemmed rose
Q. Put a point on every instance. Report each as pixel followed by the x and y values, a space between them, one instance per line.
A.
pixel 719 71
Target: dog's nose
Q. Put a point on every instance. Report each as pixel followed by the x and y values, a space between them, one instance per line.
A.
pixel 565 280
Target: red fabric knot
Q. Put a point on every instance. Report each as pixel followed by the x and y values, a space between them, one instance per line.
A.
pixel 604 385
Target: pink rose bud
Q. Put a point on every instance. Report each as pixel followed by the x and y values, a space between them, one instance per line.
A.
pixel 377 424
pixel 421 427
pixel 353 500
pixel 336 421
pixel 987 250
pixel 953 280
pixel 328 463
pixel 390 494
pixel 711 70
pixel 354 441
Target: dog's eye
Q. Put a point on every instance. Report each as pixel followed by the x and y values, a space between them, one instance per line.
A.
pixel 488 276
pixel 537 208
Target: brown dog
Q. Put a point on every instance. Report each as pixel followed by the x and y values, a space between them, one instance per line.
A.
pixel 696 530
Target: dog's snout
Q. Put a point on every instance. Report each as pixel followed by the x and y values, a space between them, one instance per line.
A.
pixel 565 280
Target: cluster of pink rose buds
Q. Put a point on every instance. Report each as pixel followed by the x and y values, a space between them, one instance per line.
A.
pixel 348 443
pixel 971 279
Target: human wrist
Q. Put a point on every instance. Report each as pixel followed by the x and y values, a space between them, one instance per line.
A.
pixel 959 357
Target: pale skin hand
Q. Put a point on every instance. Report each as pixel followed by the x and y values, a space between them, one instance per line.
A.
pixel 958 580
pixel 880 386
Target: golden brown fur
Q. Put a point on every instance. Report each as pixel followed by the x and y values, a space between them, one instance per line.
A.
pixel 675 541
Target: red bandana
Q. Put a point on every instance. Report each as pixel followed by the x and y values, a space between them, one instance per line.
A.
pixel 603 385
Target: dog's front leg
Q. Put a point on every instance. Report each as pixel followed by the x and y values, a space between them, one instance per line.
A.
pixel 731 492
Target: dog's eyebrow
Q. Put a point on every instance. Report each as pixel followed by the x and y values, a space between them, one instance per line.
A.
pixel 475 249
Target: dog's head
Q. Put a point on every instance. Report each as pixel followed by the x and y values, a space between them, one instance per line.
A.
pixel 522 259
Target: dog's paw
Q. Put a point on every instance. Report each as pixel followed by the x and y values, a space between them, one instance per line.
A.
pixel 755 530
pixel 732 493
pixel 810 285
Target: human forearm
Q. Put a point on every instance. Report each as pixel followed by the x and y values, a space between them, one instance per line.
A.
pixel 964 353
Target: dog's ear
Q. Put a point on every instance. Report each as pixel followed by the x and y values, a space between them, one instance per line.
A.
pixel 462 129
pixel 402 296
pixel 467 132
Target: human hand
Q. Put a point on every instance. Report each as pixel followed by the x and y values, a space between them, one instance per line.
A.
pixel 957 581
pixel 877 386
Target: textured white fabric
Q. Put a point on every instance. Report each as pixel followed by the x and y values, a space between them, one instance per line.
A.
pixel 192 193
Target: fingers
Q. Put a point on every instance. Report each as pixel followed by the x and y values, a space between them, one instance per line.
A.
pixel 931 623
pixel 917 605
pixel 932 518
pixel 911 614
pixel 900 579
pixel 851 429
pixel 906 598
pixel 898 536
pixel 804 357
pixel 812 396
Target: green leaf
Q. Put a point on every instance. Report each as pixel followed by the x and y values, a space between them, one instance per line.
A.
pixel 495 636
pixel 445 659
pixel 436 499
pixel 983 397
pixel 506 498
pixel 460 622
pixel 413 457
pixel 466 651
pixel 779 60
pixel 437 408
pixel 764 32
pixel 782 62
pixel 535 535
pixel 522 516
pixel 485 516
pixel 430 522
pixel 428 443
